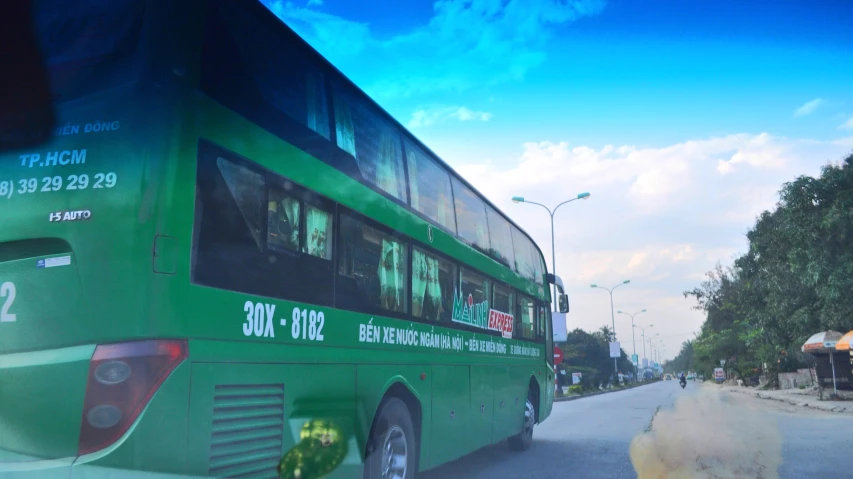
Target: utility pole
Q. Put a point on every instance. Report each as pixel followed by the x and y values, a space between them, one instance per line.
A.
pixel 613 319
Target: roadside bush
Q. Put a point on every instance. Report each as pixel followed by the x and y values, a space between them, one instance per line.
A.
pixel 576 389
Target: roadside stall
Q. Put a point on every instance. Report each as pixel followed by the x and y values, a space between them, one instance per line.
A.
pixel 822 346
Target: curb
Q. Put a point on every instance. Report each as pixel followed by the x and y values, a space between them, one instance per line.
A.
pixel 598 393
pixel 845 409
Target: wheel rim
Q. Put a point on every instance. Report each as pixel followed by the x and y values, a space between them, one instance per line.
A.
pixel 395 454
pixel 529 418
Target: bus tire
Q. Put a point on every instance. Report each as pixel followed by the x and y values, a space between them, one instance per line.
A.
pixel 392 436
pixel 524 439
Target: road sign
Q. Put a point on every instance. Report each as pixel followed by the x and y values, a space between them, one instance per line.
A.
pixel 559 328
pixel 614 350
pixel 635 359
pixel 558 355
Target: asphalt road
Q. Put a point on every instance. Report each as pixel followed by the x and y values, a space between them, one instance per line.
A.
pixel 697 433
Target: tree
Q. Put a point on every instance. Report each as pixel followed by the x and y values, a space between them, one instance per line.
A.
pixel 795 279
pixel 589 353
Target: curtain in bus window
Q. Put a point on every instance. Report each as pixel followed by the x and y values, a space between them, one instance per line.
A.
pixel 315 96
pixel 318 227
pixel 286 79
pixel 373 142
pixel 470 216
pixel 344 129
pixel 392 275
pixel 419 281
pixel 283 213
pixel 414 176
pixel 426 292
pixel 500 237
pixel 247 188
pixel 372 269
pixel 387 165
pixel 433 281
pixel 435 278
pixel 429 188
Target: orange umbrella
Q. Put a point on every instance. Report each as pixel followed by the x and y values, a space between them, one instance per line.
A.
pixel 843 344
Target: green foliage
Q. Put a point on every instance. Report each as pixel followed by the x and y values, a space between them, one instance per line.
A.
pixel 796 279
pixel 576 389
pixel 589 354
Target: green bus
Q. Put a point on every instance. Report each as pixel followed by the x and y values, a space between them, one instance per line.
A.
pixel 229 261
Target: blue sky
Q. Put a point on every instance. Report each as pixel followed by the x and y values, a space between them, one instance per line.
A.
pixel 682 118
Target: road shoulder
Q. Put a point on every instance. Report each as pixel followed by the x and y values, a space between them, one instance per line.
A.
pixel 800 400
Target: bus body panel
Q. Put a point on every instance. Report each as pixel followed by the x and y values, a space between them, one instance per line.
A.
pixel 250 416
pixel 75 252
pixel 129 276
pixel 451 413
pixel 35 419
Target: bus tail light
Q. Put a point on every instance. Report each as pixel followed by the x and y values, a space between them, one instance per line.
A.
pixel 122 379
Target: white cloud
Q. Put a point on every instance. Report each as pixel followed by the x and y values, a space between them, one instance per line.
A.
pixel 809 107
pixel 659 216
pixel 464 45
pixel 847 125
pixel 427 116
pixel 314 3
pixel 343 37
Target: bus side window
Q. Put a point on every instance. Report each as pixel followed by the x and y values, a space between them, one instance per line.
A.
pixel 523 253
pixel 296 225
pixel 471 216
pixel 372 269
pixel 374 143
pixel 284 220
pixel 541 323
pixel 502 300
pixel 429 188
pixel 281 249
pixel 477 287
pixel 500 236
pixel 285 78
pixel 433 286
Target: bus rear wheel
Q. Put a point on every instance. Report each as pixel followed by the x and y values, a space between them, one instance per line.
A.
pixel 392 445
pixel 523 440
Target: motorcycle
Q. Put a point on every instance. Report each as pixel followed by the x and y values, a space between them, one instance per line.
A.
pixel 683 383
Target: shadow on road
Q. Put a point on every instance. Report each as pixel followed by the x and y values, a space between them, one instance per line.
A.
pixel 539 462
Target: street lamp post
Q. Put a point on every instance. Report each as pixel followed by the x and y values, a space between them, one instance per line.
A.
pixel 651 350
pixel 633 340
pixel 520 199
pixel 643 335
pixel 613 319
pixel 654 350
